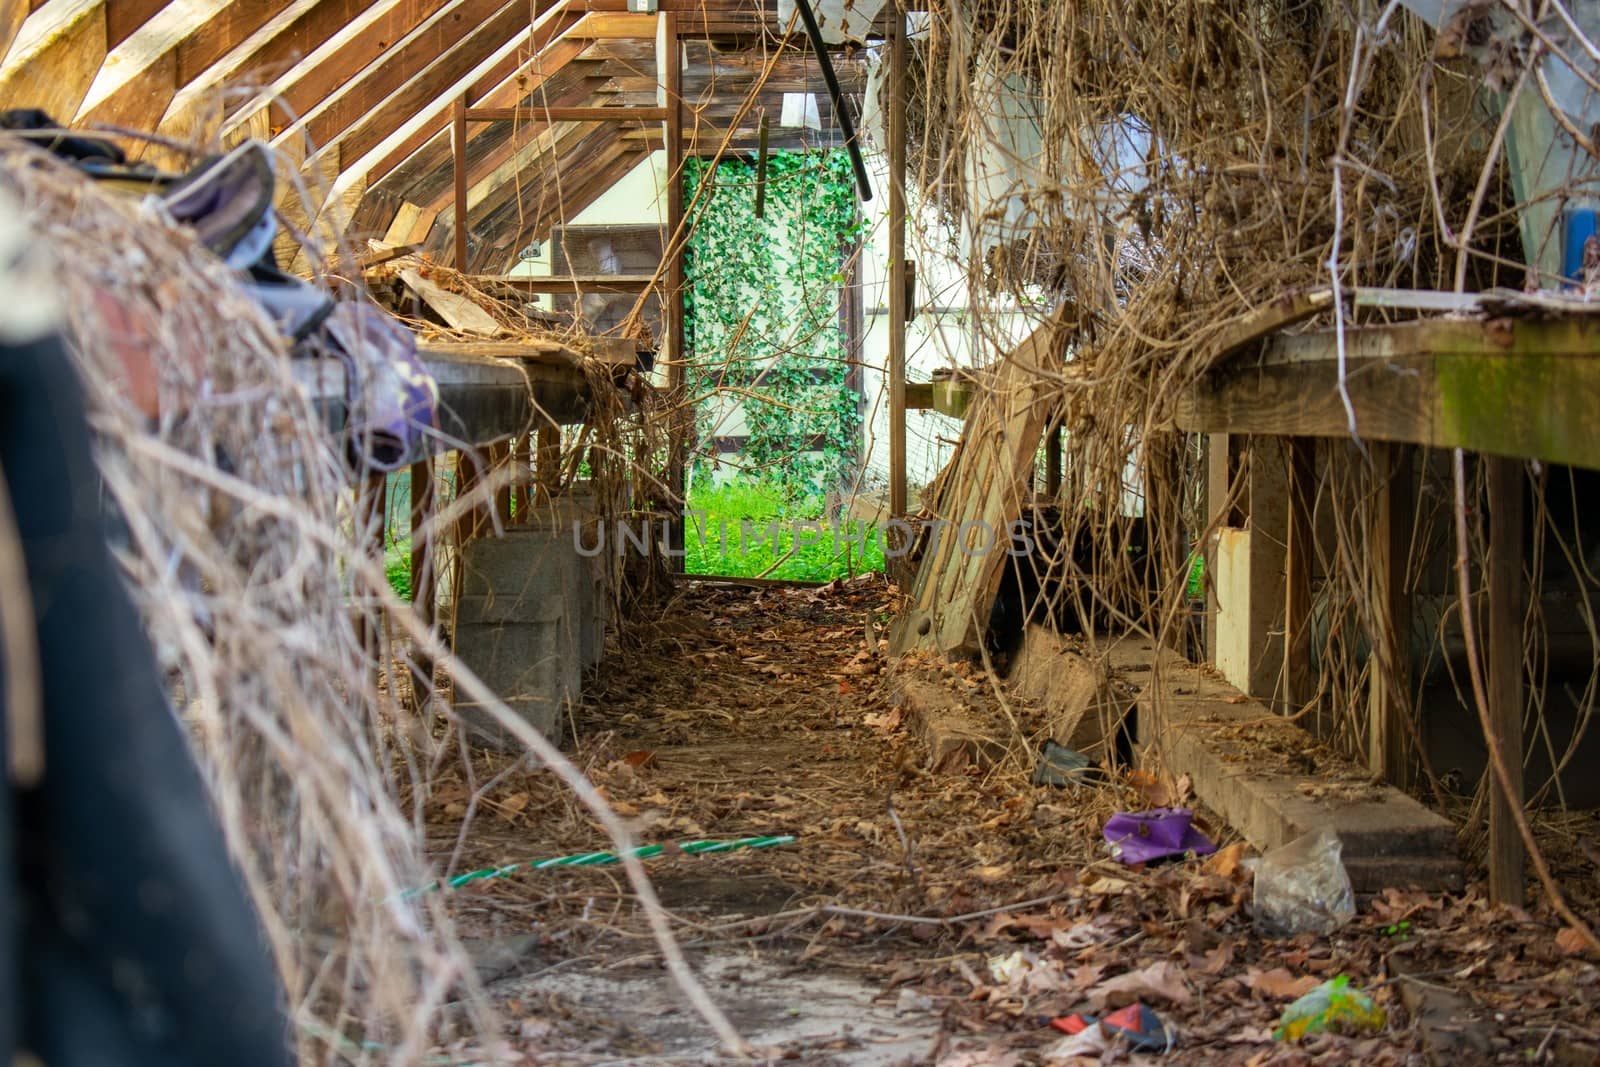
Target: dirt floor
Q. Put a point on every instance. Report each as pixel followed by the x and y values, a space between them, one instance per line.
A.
pixel 929 917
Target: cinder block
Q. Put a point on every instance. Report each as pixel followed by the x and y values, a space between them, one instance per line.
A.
pixel 528 623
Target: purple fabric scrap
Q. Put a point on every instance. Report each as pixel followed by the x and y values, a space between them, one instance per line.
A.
pixel 1144 836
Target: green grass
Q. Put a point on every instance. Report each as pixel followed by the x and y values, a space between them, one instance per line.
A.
pixel 739 552
pixel 731 534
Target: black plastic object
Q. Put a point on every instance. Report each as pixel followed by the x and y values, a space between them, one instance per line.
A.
pixel 846 123
pixel 127 937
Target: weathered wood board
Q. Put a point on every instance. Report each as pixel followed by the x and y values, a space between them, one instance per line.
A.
pixel 457 311
pixel 981 493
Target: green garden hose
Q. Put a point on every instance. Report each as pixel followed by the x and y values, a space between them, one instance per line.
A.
pixel 600 859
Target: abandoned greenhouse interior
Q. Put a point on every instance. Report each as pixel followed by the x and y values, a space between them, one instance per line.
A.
pixel 843 532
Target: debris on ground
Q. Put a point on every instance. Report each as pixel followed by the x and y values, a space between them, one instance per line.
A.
pixel 1157 834
pixel 1301 887
pixel 879 924
pixel 1331 1008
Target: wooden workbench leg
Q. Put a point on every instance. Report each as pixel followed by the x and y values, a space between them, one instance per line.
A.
pixel 520 478
pixel 1299 558
pixel 500 474
pixel 1506 610
pixel 1219 475
pixel 422 577
pixel 371 497
pixel 547 461
pixel 1391 724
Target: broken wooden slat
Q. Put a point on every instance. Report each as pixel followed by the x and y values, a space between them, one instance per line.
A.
pixel 458 312
pixel 983 493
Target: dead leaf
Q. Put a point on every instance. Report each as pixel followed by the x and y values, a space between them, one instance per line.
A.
pixel 515 802
pixel 1279 984
pixel 1570 942
pixel 1217 960
pixel 642 758
pixel 1162 980
pixel 1225 861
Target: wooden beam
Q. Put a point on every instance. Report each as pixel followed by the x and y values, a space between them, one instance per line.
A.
pixel 1525 388
pixel 55 58
pixel 175 47
pixel 499 152
pixel 12 14
pixel 1506 611
pixel 897 265
pixel 520 67
pixel 608 26
pixel 566 114
pixel 570 284
pixel 333 92
pixel 419 112
pixel 572 201
pixel 541 186
pixel 458 141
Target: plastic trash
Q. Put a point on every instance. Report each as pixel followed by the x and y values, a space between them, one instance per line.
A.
pixel 1059 765
pixel 1301 887
pixel 1334 1008
pixel 1141 1028
pixel 1143 836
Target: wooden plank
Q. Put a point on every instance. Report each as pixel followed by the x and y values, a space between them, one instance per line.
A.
pixel 897 264
pixel 341 91
pixel 505 78
pixel 919 396
pixel 12 14
pixel 124 18
pixel 458 312
pixel 415 114
pixel 1506 610
pixel 55 58
pixel 1525 388
pixel 177 46
pixel 458 145
pixel 566 114
pixel 985 484
pixel 611 26
pixel 1390 729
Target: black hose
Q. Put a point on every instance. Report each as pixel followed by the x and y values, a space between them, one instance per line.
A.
pixel 846 123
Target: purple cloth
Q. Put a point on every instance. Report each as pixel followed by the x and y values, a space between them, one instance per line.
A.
pixel 393 400
pixel 1143 836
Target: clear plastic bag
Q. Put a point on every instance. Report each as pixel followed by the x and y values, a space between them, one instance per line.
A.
pixel 1302 887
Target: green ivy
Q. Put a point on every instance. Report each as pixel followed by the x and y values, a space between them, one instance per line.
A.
pixel 763 325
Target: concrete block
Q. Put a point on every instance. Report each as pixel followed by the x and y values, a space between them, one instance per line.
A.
pixel 527 624
pixel 1272 782
pixel 1082 707
pixel 939 717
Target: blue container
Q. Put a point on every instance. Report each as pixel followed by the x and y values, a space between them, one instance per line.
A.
pixel 1577 226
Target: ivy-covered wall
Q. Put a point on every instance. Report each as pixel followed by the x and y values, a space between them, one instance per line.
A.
pixel 767 349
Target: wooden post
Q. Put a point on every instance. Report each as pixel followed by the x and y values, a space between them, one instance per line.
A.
pixel 423 597
pixel 467 522
pixel 519 478
pixel 372 495
pixel 547 461
pixel 458 148
pixel 500 468
pixel 1505 674
pixel 1219 475
pixel 669 94
pixel 1298 558
pixel 1391 734
pixel 1052 457
pixel 897 263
